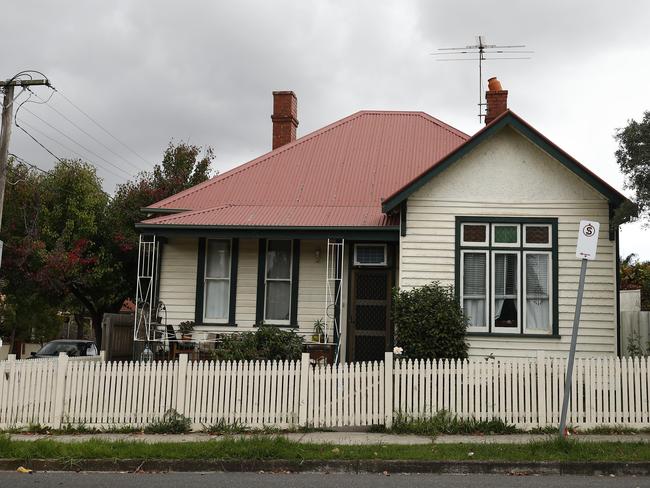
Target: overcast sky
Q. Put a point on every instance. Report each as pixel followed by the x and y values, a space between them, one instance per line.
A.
pixel 203 72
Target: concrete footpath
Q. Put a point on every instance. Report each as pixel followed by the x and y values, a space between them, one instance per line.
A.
pixel 340 438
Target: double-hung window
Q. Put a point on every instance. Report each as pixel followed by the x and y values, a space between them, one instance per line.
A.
pixel 506 275
pixel 216 302
pixel 278 275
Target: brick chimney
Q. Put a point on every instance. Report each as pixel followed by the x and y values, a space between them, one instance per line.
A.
pixel 285 118
pixel 497 100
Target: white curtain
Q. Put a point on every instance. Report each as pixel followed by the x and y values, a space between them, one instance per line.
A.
pixel 278 260
pixel 278 280
pixel 538 313
pixel 217 263
pixel 217 295
pixel 475 311
pixel 277 300
pixel 474 292
pixel 217 280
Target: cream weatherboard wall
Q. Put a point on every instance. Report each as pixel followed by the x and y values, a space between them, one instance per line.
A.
pixel 508 176
pixel 178 283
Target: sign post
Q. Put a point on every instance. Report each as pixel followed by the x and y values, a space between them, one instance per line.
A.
pixel 586 251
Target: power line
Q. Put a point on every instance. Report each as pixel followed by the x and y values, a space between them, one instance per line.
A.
pixel 23 161
pixel 100 126
pixel 39 142
pixel 90 151
pixel 82 129
pixel 62 145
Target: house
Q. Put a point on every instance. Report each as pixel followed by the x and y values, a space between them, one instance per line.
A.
pixel 324 225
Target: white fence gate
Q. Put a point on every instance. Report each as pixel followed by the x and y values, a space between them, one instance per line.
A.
pixel 524 392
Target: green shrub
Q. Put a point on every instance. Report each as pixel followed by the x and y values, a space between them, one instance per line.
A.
pixel 444 422
pixel 266 343
pixel 429 323
pixel 172 422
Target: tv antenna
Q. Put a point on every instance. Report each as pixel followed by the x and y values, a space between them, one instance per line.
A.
pixel 481 49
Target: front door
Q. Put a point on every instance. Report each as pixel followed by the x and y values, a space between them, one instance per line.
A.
pixel 369 330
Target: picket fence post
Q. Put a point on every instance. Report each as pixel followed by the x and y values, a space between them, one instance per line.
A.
pixel 181 383
pixel 302 393
pixel 388 389
pixel 59 395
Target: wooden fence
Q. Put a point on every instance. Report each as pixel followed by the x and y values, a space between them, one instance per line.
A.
pixel 524 392
pixel 635 327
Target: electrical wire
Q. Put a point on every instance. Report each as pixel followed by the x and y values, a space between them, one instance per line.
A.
pixel 100 126
pixel 82 129
pixel 67 148
pixel 90 151
pixel 25 162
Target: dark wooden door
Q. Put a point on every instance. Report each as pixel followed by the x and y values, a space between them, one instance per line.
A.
pixel 369 327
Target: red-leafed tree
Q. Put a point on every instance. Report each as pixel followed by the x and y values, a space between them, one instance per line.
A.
pixel 183 166
pixel 58 245
pixel 68 244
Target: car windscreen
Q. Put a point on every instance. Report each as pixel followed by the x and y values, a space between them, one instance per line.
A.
pixel 54 348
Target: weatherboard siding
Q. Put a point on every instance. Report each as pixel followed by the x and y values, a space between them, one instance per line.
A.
pixel 246 284
pixel 311 289
pixel 178 284
pixel 178 278
pixel 507 176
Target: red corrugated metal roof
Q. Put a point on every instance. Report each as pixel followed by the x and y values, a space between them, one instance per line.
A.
pixel 334 177
pixel 281 216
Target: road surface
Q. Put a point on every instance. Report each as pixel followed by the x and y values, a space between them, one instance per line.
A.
pixel 306 480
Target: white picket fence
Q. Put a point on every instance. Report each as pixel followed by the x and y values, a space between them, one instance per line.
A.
pixel 524 392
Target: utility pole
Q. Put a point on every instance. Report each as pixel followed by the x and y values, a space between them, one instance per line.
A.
pixel 5 132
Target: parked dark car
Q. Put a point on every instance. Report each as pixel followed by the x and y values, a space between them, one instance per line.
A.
pixel 71 347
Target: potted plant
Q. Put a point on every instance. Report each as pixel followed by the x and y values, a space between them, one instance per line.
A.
pixel 319 331
pixel 186 329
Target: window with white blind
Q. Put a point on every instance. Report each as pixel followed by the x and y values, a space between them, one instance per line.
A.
pixel 277 307
pixel 505 274
pixel 474 289
pixel 216 302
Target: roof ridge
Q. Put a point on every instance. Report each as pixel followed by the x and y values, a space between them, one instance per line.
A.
pixel 421 113
pixel 301 140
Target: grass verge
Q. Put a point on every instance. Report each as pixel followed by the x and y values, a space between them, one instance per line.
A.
pixel 258 448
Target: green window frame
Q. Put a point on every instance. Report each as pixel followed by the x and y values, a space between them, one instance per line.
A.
pixel 201 278
pixel 530 297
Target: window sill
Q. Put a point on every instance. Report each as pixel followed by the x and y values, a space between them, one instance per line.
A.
pixel 215 324
pixel 282 326
pixel 514 336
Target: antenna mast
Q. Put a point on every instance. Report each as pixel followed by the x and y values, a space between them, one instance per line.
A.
pixel 482 49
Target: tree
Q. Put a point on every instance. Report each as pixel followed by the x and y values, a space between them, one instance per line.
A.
pixel 69 246
pixel 183 166
pixel 635 275
pixel 633 157
pixel 27 311
pixel 57 246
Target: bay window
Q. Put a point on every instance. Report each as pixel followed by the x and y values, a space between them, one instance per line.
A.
pixel 506 274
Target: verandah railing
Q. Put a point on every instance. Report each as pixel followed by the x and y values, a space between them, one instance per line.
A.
pixel 523 392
